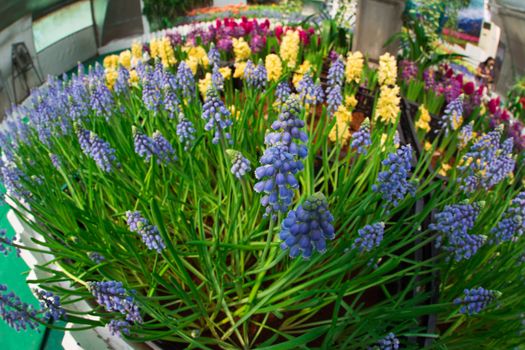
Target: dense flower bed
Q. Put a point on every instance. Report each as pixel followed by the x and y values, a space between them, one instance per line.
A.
pixel 239 196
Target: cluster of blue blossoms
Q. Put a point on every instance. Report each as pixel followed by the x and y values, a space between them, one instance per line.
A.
pixel 307 228
pixel 149 233
pixel 51 305
pixel 282 159
pixel 361 139
pixel 185 132
pixel 453 115
pixel 454 222
pixel 217 116
pixel 487 162
pixel 282 91
pixel 15 313
pixel 390 342
pixel 309 92
pixel 256 76
pixel 393 182
pixel 185 81
pixel 335 82
pixel 155 146
pixel 98 149
pixel 240 165
pixel 512 225
pixel 476 300
pixel 6 243
pixel 370 237
pixel 115 298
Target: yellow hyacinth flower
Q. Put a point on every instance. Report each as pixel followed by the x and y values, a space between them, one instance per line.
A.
pixel 274 67
pixel 387 107
pixel 340 131
pixel 289 49
pixel 301 71
pixel 110 62
pixel 239 70
pixel 423 123
pixel 166 53
pixel 133 78
pixel 354 67
pixel 154 48
pixel 193 63
pixel 226 72
pixel 387 72
pixel 136 50
pixel 204 84
pixel 241 49
pixel 350 101
pixel 111 78
pixel 124 59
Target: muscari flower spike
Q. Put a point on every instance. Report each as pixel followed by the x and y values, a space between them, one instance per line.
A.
pixel 334 98
pixel 309 92
pixel 14 312
pixel 165 151
pixel 393 182
pixel 453 115
pixel 102 153
pixel 50 305
pixel 307 228
pixel 185 132
pixel 55 161
pixel 149 233
pixel 217 116
pixel 282 91
pixel 336 72
pixel 217 78
pixel 119 327
pixel 287 129
pixel 454 222
pixel 370 237
pixel 214 56
pixel 115 298
pixel 240 165
pixel 97 258
pixel 390 342
pixel 11 178
pixel 361 139
pixel 476 300
pixel 185 80
pixel 122 83
pixel 257 78
pixel 6 244
pixel 465 134
pixel 512 225
pixel 144 146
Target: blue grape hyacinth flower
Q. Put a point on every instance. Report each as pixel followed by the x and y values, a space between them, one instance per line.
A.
pixel 115 298
pixel 512 225
pixel 149 233
pixel 390 342
pixel 476 300
pixel 308 228
pixel 393 182
pixel 216 115
pixel 15 313
pixel 370 237
pixel 361 139
pixel 185 131
pixel 240 165
pixel 50 306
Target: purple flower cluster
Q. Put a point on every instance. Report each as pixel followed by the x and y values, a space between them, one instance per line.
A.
pixel 336 72
pixel 217 116
pixel 149 233
pixel 55 161
pixel 165 151
pixel 307 228
pixel 14 312
pixel 50 305
pixel 390 342
pixel 282 91
pixel 6 243
pixel 512 225
pixel 185 131
pixel 454 222
pixel 409 70
pixel 144 145
pixel 96 148
pixel 309 92
pixel 217 78
pixel 287 129
pixel 256 79
pixel 361 139
pixel 97 258
pixel 334 98
pixel 100 99
pixel 465 134
pixel 453 115
pixel 240 165
pixel 11 178
pixel 185 80
pixel 115 298
pixel 122 82
pixel 119 327
pixel 393 182
pixel 158 90
pixel 370 237
pixel 214 56
pixel 476 300
pixel 486 163
pixel 276 177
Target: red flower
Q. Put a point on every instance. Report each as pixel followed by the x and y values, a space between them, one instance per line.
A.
pixel 305 38
pixel 278 32
pixel 469 88
pixel 522 101
pixel 493 105
pixel 505 116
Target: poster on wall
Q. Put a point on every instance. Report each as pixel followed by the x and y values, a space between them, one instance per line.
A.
pixel 466 26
